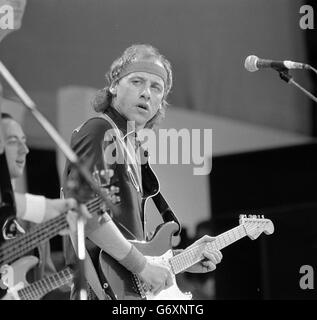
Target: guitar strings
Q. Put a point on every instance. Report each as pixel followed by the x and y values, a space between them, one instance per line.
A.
pixel 13 249
pixel 185 259
pixel 92 204
pixel 24 243
pixel 39 288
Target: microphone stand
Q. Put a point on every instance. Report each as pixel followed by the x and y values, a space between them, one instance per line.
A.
pixel 81 169
pixel 284 75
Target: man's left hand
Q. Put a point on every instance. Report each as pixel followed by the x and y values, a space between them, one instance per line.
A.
pixel 211 256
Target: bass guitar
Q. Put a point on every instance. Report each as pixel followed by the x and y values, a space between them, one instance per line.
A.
pixel 15 248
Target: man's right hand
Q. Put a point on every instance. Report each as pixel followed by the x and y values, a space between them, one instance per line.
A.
pixel 157 276
pixel 72 217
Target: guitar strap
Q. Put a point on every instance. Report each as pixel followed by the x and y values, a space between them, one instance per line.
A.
pixel 165 211
pixel 158 199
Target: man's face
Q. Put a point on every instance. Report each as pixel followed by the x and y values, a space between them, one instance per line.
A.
pixel 15 147
pixel 138 97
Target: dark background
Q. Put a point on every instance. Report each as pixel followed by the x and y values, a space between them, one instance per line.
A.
pixel 281 185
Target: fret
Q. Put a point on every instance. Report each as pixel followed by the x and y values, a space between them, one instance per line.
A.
pixel 45 285
pixel 13 249
pixel 67 274
pixel 22 244
pixel 230 237
pixel 50 282
pixel 43 291
pixel 29 293
pixel 191 256
pixel 23 294
pixel 57 279
pixel 240 232
pixel 218 243
pixel 35 292
pixel 235 231
pixel 38 289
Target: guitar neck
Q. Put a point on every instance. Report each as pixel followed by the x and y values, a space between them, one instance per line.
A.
pixel 189 257
pixel 15 248
pixel 40 288
pixel 22 244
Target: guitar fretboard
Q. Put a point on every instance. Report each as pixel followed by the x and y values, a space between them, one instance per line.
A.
pixel 11 250
pixel 193 255
pixel 40 288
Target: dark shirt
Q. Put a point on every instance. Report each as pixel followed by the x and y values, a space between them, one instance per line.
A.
pixel 90 144
pixel 88 141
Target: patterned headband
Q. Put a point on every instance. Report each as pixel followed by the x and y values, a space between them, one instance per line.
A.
pixel 144 66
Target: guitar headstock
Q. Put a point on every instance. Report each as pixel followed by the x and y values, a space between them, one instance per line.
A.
pixel 254 225
pixel 81 191
pixel 103 179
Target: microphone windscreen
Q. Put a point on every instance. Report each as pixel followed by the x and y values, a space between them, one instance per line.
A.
pixel 250 63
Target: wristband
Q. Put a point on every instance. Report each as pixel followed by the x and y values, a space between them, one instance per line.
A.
pixel 134 261
pixel 35 208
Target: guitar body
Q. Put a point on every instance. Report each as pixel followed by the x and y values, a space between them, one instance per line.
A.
pixel 127 286
pixel 7 202
pixel 14 275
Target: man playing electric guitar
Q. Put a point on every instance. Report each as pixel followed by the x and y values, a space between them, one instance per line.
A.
pixel 134 98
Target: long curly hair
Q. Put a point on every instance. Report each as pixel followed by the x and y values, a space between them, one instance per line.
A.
pixel 103 98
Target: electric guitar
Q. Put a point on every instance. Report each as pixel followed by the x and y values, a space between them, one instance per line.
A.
pixel 22 290
pixel 13 249
pixel 128 286
pixel 7 203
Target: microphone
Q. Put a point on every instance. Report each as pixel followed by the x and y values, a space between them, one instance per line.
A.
pixel 253 63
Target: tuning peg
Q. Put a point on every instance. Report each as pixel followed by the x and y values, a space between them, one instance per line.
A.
pixel 262 216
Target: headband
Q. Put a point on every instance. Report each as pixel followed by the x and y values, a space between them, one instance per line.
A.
pixel 144 66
